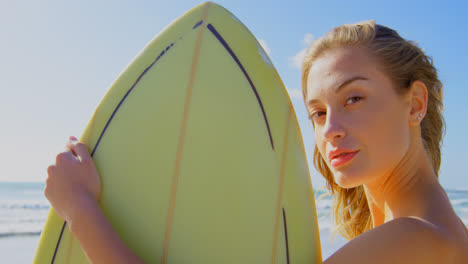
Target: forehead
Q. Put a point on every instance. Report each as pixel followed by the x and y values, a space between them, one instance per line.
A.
pixel 336 66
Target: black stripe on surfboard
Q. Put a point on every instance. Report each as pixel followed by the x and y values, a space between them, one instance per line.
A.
pixel 128 92
pixel 113 114
pixel 233 55
pixel 286 236
pixel 136 82
pixel 198 24
pixel 60 237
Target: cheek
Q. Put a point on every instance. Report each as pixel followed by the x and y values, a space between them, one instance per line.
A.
pixel 320 142
pixel 389 139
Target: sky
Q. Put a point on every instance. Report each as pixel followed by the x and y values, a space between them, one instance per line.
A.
pixel 58 59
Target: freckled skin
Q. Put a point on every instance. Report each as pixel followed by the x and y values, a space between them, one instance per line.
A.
pixel 377 125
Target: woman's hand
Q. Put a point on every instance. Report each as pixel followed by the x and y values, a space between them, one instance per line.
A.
pixel 73 182
pixel 73 188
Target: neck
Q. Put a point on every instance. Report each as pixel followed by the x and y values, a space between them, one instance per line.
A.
pixel 402 192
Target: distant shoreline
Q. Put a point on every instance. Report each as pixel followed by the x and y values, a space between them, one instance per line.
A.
pixel 462 189
pixel 19 234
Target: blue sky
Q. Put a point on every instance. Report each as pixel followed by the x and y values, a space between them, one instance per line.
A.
pixel 58 58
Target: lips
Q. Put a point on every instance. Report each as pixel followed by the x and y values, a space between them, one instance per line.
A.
pixel 338 157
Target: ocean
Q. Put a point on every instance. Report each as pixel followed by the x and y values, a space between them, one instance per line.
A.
pixel 24 209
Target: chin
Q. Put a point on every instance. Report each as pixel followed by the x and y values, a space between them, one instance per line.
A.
pixel 345 184
pixel 346 180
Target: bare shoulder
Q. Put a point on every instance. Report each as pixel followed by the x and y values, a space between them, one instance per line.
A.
pixel 404 240
pixel 460 239
pixel 448 237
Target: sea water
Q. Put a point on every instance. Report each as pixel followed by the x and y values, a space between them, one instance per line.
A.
pixel 24 209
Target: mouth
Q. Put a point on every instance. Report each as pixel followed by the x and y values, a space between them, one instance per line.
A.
pixel 343 158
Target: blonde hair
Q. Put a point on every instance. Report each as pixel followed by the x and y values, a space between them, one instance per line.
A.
pixel 404 62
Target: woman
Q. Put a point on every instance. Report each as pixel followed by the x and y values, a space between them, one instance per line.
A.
pixel 375 102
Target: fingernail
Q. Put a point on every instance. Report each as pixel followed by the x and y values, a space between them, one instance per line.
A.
pixel 73 138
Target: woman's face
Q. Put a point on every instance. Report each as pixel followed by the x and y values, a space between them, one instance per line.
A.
pixel 361 124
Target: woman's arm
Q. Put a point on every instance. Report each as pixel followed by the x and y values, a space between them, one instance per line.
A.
pixel 99 240
pixel 73 188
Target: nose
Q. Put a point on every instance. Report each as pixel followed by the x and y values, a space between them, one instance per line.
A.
pixel 333 129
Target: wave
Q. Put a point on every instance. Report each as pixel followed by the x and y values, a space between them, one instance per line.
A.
pixel 460 202
pixel 19 234
pixel 24 204
pixel 460 190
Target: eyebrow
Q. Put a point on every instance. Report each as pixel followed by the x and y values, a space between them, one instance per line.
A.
pixel 341 86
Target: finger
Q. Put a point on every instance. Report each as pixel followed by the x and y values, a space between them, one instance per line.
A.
pixel 51 170
pixel 69 147
pixel 72 140
pixel 64 157
pixel 79 149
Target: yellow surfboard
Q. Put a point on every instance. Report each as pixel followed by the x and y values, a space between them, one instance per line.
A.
pixel 200 154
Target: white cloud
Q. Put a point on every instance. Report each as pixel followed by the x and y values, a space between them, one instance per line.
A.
pixel 295 93
pixel 308 38
pixel 296 60
pixel 265 46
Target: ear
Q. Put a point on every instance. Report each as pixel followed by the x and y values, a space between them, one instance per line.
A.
pixel 418 102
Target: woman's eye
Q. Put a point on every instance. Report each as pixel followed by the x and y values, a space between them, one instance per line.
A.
pixel 317 115
pixel 353 100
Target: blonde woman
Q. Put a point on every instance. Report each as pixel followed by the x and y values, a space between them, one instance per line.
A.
pixel 375 103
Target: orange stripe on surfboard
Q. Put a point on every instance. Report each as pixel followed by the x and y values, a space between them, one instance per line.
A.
pixel 280 191
pixel 180 147
pixel 70 245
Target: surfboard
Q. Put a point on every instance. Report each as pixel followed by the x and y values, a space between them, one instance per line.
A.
pixel 200 154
